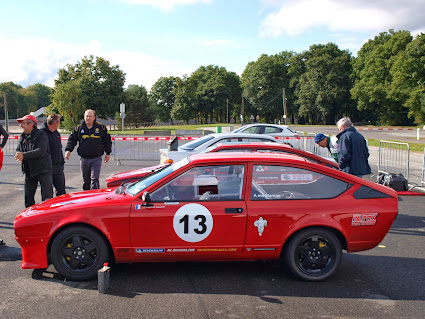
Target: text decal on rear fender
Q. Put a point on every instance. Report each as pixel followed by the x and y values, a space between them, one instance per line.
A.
pixel 364 219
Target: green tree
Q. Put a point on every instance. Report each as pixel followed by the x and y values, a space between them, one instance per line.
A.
pixel 137 107
pixel 12 93
pixel 263 82
pixel 214 86
pixel 408 75
pixel 162 97
pixel 204 95
pixel 42 93
pixel 97 86
pixel 69 103
pixel 323 90
pixel 185 102
pixel 373 78
pixel 26 102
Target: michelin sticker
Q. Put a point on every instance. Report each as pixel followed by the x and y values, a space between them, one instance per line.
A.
pixel 193 222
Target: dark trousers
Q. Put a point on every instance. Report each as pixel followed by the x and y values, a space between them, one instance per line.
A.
pixel 90 168
pixel 58 178
pixel 31 184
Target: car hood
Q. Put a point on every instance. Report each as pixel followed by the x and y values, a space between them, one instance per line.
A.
pixel 76 200
pixel 137 173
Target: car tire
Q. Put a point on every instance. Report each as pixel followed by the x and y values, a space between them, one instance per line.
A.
pixel 313 254
pixel 78 252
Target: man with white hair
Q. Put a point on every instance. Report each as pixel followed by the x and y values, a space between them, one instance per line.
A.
pixel 353 152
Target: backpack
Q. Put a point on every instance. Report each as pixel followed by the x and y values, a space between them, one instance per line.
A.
pixel 396 181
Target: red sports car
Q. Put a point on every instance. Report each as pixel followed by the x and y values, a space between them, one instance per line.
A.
pixel 212 207
pixel 133 175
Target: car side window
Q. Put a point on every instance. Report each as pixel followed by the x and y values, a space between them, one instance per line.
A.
pixel 274 182
pixel 250 130
pixel 205 183
pixel 271 130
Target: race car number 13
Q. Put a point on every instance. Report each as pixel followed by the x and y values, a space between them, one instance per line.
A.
pixel 193 222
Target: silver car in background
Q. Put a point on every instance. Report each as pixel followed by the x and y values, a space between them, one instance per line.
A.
pixel 267 129
pixel 206 141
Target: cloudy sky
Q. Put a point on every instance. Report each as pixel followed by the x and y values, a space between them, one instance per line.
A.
pixel 153 38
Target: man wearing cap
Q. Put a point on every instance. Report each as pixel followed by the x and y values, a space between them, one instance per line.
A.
pixel 34 155
pixel 331 143
pixel 93 141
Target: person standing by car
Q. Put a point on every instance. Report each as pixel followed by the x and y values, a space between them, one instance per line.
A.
pixel 51 128
pixel 5 135
pixel 353 152
pixel 93 141
pixel 330 142
pixel 33 153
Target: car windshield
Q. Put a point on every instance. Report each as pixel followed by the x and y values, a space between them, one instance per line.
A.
pixel 194 144
pixel 140 185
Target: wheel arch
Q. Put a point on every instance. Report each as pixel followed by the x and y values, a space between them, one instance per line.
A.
pixel 336 232
pixel 62 228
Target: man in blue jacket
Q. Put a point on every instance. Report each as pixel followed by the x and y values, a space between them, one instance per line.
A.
pixel 353 152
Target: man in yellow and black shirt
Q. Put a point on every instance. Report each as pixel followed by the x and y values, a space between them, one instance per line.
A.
pixel 93 141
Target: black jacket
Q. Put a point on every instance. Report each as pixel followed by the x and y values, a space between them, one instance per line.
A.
pixel 5 136
pixel 55 145
pixel 92 142
pixel 35 147
pixel 353 152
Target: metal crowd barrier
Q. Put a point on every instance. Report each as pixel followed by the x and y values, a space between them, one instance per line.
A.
pixel 139 147
pixel 394 158
pixel 12 143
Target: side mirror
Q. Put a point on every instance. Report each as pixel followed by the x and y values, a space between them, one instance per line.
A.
pixel 146 197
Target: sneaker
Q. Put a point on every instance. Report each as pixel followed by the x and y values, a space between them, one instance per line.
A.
pixel 1 241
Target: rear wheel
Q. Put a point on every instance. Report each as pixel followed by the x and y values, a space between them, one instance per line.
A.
pixel 78 253
pixel 313 254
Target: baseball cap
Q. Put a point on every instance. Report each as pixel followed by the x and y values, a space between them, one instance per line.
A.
pixel 27 117
pixel 319 137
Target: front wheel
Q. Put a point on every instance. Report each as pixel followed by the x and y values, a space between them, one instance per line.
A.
pixel 313 254
pixel 78 253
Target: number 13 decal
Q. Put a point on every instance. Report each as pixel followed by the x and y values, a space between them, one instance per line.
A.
pixel 193 222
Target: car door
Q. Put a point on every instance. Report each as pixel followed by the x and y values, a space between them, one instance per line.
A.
pixel 281 196
pixel 198 215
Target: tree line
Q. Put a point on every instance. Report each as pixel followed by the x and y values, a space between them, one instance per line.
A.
pixel 383 85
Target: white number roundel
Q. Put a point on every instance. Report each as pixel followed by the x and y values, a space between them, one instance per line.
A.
pixel 193 222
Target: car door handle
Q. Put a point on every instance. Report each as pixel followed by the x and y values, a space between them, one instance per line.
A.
pixel 233 210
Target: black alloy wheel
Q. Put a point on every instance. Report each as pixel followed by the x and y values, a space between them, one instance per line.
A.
pixel 78 252
pixel 313 254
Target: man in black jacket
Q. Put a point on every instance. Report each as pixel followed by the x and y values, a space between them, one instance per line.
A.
pixel 51 128
pixel 5 135
pixel 93 141
pixel 34 154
